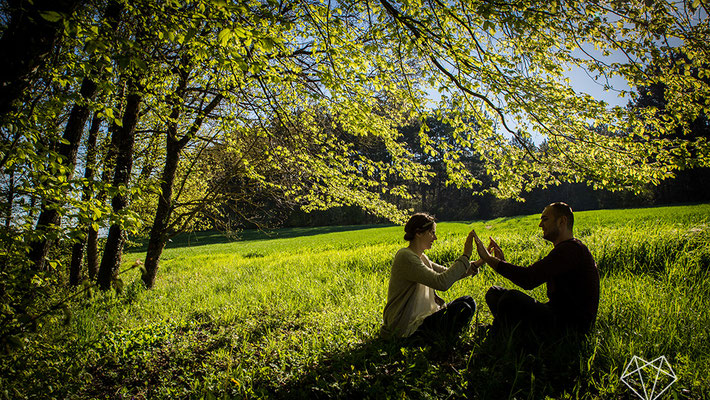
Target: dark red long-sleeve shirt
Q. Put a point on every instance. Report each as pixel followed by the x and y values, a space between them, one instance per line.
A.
pixel 572 280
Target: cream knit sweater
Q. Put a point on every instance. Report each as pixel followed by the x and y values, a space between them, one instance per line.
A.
pixel 411 296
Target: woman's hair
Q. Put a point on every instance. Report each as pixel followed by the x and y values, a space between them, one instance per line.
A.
pixel 419 222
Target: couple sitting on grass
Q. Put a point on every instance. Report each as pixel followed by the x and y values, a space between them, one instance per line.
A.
pixel 415 311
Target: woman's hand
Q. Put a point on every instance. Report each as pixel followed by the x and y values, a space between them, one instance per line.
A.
pixel 468 244
pixel 473 268
pixel 480 248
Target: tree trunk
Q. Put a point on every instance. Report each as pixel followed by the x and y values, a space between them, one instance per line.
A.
pixel 113 250
pixel 159 230
pixel 49 217
pixel 158 233
pixel 92 253
pixel 77 254
pixel 109 164
pixel 92 241
pixel 158 236
pixel 25 44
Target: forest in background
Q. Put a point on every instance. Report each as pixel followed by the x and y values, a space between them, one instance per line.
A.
pixel 453 204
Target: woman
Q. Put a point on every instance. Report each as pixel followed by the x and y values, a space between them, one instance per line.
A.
pixel 413 309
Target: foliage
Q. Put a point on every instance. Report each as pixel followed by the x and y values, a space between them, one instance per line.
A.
pixel 300 72
pixel 473 54
pixel 297 314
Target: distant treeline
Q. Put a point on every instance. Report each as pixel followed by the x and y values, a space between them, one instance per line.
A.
pixel 452 204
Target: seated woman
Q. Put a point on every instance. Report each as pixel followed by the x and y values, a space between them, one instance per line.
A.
pixel 413 308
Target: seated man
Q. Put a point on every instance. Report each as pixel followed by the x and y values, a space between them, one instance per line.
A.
pixel 569 271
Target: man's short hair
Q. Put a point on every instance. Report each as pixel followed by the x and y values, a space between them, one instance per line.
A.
pixel 563 210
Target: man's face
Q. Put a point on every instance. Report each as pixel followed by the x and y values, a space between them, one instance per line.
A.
pixel 549 224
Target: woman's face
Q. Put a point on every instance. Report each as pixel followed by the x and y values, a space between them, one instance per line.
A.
pixel 428 237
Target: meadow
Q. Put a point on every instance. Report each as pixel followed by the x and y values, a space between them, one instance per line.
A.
pixel 296 314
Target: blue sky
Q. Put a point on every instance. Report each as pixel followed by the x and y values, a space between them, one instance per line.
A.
pixel 581 81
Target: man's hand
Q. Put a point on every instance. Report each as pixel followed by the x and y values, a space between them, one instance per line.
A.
pixel 497 251
pixel 484 253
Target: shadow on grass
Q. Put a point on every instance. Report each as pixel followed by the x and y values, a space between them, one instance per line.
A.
pixel 217 237
pixel 480 366
pixel 194 359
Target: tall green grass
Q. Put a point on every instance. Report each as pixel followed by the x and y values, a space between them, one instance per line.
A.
pixel 297 314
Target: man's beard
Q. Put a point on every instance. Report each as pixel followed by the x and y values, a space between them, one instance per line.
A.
pixel 551 235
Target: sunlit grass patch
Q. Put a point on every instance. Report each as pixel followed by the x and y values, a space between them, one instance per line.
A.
pixel 299 316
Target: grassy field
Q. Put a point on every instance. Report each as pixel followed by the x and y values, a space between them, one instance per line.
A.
pixel 297 314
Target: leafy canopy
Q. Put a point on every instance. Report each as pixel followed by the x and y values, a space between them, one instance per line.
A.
pixel 302 80
pixel 501 70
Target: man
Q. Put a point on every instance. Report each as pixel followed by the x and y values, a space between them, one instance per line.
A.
pixel 569 271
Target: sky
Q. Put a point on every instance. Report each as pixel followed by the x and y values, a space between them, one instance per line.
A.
pixel 581 81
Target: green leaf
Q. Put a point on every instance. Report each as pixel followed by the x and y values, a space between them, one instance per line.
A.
pixel 267 44
pixel 190 34
pixel 240 33
pixel 224 35
pixel 51 16
pixel 90 46
pixel 123 61
pixel 66 311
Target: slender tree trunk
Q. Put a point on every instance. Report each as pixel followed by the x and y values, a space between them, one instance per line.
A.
pixel 25 44
pixel 156 241
pixel 49 217
pixel 109 164
pixel 92 237
pixel 77 254
pixel 113 250
pixel 92 253
pixel 159 230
